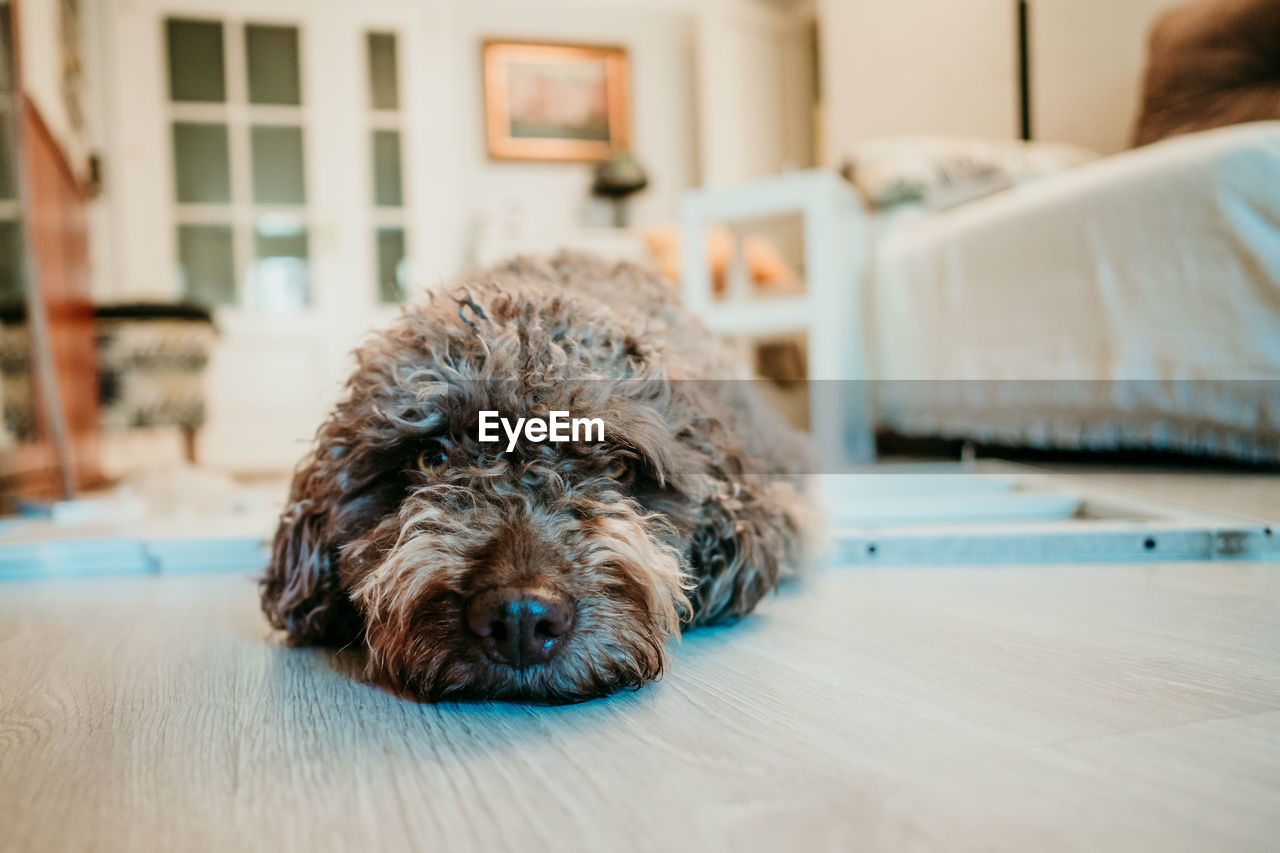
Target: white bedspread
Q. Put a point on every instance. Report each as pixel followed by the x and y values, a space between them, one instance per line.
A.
pixel 1140 276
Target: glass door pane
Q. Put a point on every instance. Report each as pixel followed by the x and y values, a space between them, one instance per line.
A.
pixel 278 174
pixel 196 71
pixel 384 82
pixel 207 261
pixel 272 56
pixel 202 163
pixel 387 190
pixel 391 264
pixel 280 265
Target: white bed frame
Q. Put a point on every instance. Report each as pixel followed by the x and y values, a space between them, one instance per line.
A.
pixel 829 311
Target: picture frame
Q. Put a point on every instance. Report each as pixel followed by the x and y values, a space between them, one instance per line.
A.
pixel 547 101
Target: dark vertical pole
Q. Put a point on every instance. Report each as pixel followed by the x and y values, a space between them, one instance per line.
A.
pixel 1024 69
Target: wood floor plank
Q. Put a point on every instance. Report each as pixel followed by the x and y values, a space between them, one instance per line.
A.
pixel 1011 708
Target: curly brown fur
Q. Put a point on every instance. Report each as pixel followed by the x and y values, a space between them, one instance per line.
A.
pixel 687 514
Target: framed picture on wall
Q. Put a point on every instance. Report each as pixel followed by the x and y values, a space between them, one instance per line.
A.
pixel 555 101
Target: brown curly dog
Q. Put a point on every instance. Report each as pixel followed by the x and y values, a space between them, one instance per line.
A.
pixel 553 571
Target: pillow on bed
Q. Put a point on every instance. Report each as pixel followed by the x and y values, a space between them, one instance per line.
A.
pixel 942 172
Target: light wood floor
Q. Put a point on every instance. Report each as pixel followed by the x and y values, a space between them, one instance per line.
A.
pixel 1031 709
pixel 1237 492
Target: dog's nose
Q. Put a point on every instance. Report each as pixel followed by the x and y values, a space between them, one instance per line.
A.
pixel 520 627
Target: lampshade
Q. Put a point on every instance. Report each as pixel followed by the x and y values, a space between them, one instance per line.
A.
pixel 619 176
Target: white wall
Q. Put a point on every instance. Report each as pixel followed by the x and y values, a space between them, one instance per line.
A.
pixel 938 66
pixel 659 40
pixel 925 66
pixel 1088 60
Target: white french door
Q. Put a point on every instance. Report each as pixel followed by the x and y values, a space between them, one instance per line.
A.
pixel 262 163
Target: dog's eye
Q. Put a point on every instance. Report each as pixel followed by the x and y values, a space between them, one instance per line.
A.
pixel 617 470
pixel 429 460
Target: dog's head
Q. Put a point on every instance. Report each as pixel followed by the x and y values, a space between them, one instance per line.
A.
pixel 548 571
pixel 541 571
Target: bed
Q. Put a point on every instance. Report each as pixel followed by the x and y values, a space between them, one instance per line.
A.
pixel 1132 303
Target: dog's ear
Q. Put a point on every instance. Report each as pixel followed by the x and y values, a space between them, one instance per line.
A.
pixel 748 535
pixel 339 493
pixel 301 592
pixel 357 475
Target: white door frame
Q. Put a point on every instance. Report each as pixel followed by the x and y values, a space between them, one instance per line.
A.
pixel 273 377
